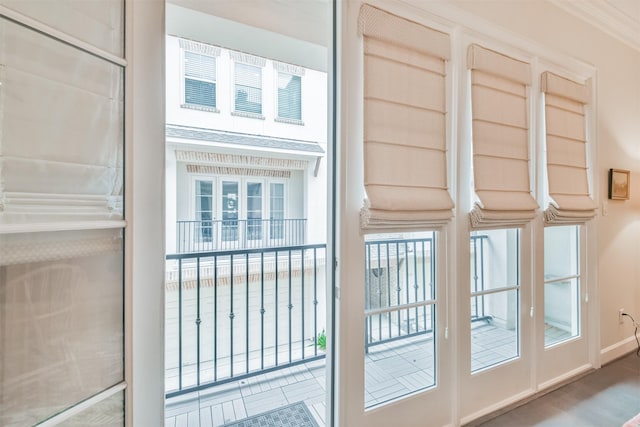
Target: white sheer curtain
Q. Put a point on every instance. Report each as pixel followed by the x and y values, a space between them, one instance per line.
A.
pixel 405 173
pixel 567 168
pixel 499 98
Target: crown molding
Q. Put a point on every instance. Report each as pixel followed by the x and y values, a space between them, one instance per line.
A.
pixel 606 17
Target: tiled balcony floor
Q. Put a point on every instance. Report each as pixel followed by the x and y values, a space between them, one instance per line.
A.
pixel 392 370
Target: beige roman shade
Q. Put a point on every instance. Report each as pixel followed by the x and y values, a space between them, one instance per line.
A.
pixel 405 173
pixel 500 139
pixel 566 150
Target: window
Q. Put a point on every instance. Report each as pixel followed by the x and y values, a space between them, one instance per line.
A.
pixel 204 209
pixel 561 284
pixel 248 89
pixel 199 79
pixel 289 96
pixel 495 297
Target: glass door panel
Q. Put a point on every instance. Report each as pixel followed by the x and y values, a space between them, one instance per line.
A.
pixel 204 211
pixel 254 211
pixel 276 211
pixel 400 305
pixel 495 297
pixel 561 284
pixel 230 199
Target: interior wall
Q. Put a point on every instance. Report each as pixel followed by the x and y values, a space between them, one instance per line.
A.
pixel 617 136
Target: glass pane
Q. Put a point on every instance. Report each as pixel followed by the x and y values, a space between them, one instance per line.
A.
pixel 200 93
pixel 276 214
pixel 248 89
pixel 107 413
pixel 204 210
pixel 199 66
pixel 229 211
pixel 289 96
pixel 254 211
pixel 61 116
pixel 61 321
pixel 494 317
pixel 494 260
pixel 494 336
pixel 400 316
pixel 560 252
pixel 562 284
pixel 98 22
pixel 561 311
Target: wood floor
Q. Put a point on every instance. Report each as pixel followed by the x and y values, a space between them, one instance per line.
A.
pixel 607 397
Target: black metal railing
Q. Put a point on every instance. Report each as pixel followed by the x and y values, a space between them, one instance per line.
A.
pixel 232 314
pixel 216 234
pixel 399 289
pixel 477 279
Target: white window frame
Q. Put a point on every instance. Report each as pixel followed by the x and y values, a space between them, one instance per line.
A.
pixel 212 51
pixel 253 61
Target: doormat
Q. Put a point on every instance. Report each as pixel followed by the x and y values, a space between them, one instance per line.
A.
pixel 294 415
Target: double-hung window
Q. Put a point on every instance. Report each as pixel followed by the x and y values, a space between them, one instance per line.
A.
pixel 289 96
pixel 199 79
pixel 248 88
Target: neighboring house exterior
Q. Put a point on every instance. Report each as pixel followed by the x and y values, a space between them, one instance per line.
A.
pixel 246 150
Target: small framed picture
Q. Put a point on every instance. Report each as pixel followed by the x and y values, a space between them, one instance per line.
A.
pixel 619 184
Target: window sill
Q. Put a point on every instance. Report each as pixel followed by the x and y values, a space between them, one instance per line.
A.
pixel 247 115
pixel 200 108
pixel 289 121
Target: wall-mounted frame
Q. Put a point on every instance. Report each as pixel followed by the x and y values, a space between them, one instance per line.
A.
pixel 619 184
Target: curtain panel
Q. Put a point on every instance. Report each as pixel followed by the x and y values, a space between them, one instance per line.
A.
pixel 500 134
pixel 405 173
pixel 567 168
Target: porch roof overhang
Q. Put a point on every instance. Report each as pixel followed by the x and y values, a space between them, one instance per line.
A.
pixel 243 142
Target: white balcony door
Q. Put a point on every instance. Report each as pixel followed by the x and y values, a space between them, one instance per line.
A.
pixel 495 341
pixel 393 288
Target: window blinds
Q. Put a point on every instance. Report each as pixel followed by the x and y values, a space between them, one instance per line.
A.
pixel 248 88
pixel 289 96
pixel 200 79
pixel 404 119
pixel 566 150
pixel 500 139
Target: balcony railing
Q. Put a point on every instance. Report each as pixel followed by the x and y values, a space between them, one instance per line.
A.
pixel 213 235
pixel 399 283
pixel 234 314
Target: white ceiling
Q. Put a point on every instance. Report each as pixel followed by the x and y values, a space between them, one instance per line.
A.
pixel 619 18
pixel 309 20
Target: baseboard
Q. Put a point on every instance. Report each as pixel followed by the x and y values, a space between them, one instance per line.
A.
pixel 496 409
pixel 564 379
pixel 520 399
pixel 617 350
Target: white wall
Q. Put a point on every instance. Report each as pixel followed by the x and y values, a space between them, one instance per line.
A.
pixel 618 140
pixel 314 101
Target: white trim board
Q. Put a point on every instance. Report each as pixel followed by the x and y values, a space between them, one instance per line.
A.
pixel 617 350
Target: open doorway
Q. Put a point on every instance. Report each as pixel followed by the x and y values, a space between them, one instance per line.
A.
pixel 246 199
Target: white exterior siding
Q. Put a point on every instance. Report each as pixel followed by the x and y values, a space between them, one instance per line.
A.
pixel 305 187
